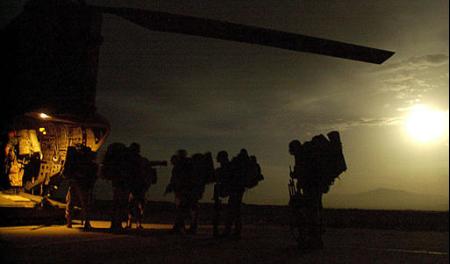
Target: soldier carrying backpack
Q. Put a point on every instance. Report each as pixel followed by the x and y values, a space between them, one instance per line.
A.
pixel 317 164
pixel 81 171
pixel 114 169
pixel 245 173
pixel 223 176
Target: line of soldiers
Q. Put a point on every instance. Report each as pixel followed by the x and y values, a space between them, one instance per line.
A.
pixel 131 175
pixel 191 174
pixel 317 164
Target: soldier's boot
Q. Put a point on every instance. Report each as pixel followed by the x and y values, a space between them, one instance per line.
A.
pixel 116 226
pixel 87 226
pixel 179 228
pixel 129 222
pixel 139 217
pixel 68 221
pixel 315 238
pixel 192 229
pixel 193 226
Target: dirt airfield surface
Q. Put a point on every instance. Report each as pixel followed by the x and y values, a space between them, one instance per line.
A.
pixel 259 244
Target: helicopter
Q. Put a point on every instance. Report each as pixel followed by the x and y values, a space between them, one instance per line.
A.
pixel 51 58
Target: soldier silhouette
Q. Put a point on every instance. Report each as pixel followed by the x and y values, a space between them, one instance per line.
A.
pixel 309 184
pixel 81 171
pixel 181 185
pixel 114 169
pixel 137 185
pixel 223 176
pixel 235 187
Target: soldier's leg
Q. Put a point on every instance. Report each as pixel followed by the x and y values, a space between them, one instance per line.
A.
pixel 140 212
pixel 130 209
pixel 237 215
pixel 217 208
pixel 180 213
pixel 116 220
pixel 194 216
pixel 314 215
pixel 78 195
pixel 229 217
pixel 216 218
pixel 317 229
pixel 69 207
pixel 123 216
pixel 231 213
pixel 86 207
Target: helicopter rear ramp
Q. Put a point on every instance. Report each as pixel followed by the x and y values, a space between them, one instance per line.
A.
pixel 23 208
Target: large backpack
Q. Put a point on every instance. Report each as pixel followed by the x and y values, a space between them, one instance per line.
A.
pixel 321 161
pixel 112 161
pixel 327 159
pixel 336 160
pixel 246 172
pixel 149 173
pixel 254 175
pixel 202 172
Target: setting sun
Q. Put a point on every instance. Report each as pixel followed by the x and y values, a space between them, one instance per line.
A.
pixel 425 124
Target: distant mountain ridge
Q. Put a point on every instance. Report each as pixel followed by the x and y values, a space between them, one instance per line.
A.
pixel 388 199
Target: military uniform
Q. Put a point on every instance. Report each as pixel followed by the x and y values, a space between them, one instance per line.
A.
pixel 11 169
pixel 309 182
pixel 120 192
pixel 114 169
pixel 235 187
pixel 81 171
pixel 182 185
pixel 139 184
pixel 223 175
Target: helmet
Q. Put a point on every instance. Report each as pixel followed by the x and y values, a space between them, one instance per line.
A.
pixel 294 146
pixel 221 155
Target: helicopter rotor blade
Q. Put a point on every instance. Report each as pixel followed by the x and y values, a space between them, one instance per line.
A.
pixel 166 22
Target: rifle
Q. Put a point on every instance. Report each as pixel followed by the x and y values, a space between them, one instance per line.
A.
pixel 291 186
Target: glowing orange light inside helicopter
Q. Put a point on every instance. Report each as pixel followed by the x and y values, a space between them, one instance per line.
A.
pixel 44 116
pixel 43 131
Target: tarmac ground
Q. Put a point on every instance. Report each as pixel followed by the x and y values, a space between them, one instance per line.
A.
pixel 259 244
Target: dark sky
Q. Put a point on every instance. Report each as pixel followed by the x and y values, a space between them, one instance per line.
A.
pixel 170 91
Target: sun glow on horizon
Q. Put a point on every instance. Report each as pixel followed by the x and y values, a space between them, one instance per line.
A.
pixel 426 124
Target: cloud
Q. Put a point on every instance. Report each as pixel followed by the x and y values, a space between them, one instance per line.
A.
pixel 416 79
pixel 416 63
pixel 371 122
